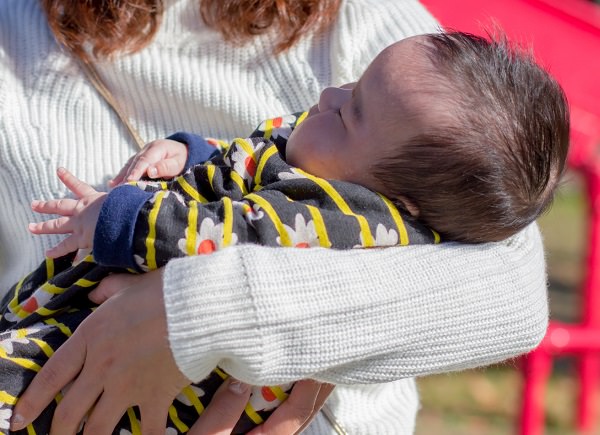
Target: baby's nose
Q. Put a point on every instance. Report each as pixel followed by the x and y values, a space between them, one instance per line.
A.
pixel 333 98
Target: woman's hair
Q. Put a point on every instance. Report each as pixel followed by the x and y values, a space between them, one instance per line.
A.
pixel 106 27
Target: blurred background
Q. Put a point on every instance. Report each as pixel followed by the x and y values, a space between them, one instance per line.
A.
pixel 553 390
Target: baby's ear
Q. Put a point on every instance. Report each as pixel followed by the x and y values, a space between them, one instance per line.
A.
pixel 408 205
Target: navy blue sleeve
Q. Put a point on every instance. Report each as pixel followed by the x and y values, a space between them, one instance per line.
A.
pixel 199 150
pixel 113 238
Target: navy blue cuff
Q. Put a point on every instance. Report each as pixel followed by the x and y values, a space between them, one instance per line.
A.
pixel 113 238
pixel 199 150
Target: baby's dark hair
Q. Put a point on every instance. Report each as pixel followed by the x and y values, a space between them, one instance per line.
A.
pixel 492 163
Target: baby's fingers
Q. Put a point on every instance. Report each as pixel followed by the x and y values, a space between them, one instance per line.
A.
pixel 167 168
pixel 120 177
pixel 74 184
pixel 70 244
pixel 138 170
pixel 63 207
pixel 53 226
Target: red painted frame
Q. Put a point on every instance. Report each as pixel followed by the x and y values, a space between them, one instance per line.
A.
pixel 565 35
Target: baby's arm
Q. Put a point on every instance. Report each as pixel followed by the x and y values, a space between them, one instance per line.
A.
pixel 154 221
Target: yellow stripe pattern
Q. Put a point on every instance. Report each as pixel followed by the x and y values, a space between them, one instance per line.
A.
pixel 150 239
pixel 227 221
pixel 264 158
pixel 343 206
pixel 403 234
pixel 193 193
pixel 190 242
pixel 270 211
pixel 319 226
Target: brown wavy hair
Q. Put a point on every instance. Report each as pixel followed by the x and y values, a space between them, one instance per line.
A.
pixel 109 27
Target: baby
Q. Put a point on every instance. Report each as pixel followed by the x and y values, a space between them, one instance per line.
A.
pixel 445 135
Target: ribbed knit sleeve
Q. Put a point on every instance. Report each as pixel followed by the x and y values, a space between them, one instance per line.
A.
pixel 271 315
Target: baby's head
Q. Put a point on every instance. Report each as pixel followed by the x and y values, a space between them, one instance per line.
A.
pixel 468 134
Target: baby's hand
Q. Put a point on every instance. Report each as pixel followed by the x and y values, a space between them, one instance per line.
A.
pixel 78 216
pixel 162 158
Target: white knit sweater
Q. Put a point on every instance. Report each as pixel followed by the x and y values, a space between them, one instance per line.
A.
pixel 265 315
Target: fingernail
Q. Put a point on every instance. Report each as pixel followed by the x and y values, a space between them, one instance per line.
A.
pixel 237 387
pixel 35 202
pixel 152 172
pixel 17 422
pixel 61 170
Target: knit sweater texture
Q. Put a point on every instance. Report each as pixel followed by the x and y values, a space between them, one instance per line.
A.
pixel 266 315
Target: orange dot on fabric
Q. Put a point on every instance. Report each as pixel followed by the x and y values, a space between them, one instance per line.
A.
pixel 31 305
pixel 250 166
pixel 206 247
pixel 267 394
pixel 302 245
pixel 277 122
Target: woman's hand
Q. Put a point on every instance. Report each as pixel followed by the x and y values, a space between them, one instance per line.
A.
pixel 118 357
pixel 220 416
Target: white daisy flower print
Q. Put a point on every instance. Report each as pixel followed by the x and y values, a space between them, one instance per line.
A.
pixel 165 194
pixel 39 298
pixel 11 316
pixel 17 336
pixel 251 213
pixel 141 262
pixel 198 392
pixel 303 235
pixel 383 237
pixel 243 163
pixel 279 127
pixel 263 398
pixel 208 239
pixel 5 415
pixel 292 175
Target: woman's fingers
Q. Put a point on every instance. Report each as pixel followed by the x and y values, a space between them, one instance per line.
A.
pixel 105 415
pixel 324 391
pixel 75 404
pixel 154 416
pixel 58 371
pixel 112 285
pixel 120 177
pixel 296 412
pixel 224 409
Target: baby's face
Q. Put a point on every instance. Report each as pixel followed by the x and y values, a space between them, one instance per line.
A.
pixel 351 127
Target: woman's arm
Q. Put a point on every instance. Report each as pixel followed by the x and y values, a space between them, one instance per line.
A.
pixel 269 315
